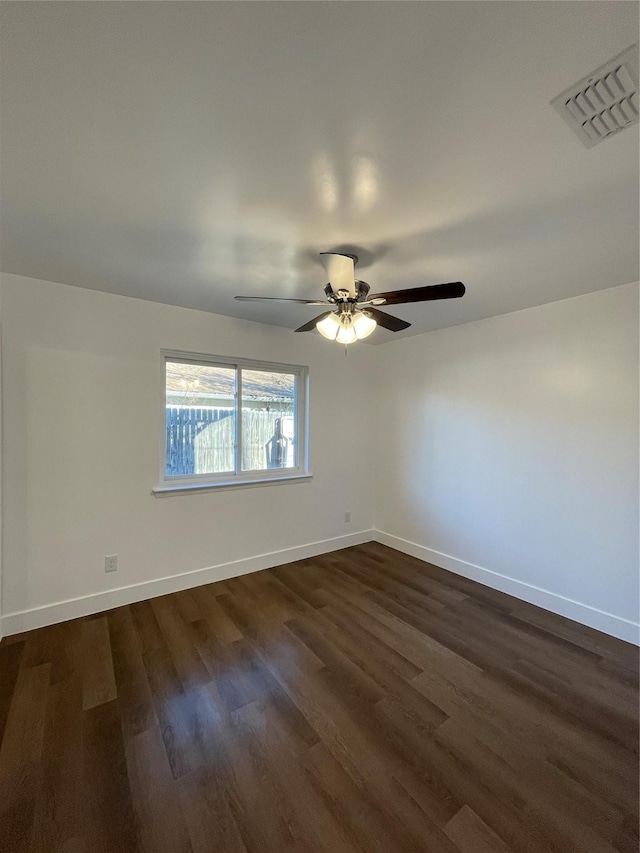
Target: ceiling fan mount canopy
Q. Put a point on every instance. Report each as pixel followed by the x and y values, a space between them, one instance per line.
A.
pixel 353 257
pixel 353 314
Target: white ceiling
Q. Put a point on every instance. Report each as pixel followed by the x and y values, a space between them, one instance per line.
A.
pixel 186 152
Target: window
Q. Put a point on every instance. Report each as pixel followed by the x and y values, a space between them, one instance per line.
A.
pixel 231 421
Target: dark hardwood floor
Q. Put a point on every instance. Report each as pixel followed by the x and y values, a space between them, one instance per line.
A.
pixel 358 701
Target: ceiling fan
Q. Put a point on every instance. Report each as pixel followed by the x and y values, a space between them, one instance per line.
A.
pixel 354 313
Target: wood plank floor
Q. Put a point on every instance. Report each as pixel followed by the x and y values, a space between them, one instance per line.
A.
pixel 358 701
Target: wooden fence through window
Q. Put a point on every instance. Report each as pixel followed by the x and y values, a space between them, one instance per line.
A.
pixel 201 440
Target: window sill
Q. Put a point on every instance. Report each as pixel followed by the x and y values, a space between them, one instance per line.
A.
pixel 190 488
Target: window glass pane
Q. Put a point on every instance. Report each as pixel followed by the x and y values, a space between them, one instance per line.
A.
pixel 269 437
pixel 200 419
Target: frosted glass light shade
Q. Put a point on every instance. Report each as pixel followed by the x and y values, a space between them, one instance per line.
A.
pixel 346 328
pixel 363 325
pixel 346 335
pixel 329 327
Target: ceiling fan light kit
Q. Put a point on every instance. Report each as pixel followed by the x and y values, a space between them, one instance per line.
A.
pixel 329 327
pixel 346 335
pixel 364 325
pixel 353 316
pixel 346 327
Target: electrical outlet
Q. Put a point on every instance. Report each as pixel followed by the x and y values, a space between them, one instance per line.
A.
pixel 111 563
pixel 347 517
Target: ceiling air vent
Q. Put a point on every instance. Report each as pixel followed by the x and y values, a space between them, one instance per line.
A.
pixel 605 102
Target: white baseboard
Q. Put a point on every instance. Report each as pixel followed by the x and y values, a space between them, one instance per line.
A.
pixel 61 611
pixel 616 626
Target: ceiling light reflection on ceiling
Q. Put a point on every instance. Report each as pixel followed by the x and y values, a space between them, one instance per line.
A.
pixel 326 184
pixel 346 328
pixel 365 183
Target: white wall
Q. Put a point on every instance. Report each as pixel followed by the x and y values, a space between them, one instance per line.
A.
pixel 506 450
pixel 1 480
pixel 82 403
pixel 510 446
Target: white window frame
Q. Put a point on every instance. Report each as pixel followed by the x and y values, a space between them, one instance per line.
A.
pixel 238 477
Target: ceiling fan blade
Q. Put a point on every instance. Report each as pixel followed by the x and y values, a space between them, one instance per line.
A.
pixel 340 271
pixel 394 324
pixel 452 290
pixel 310 326
pixel 280 299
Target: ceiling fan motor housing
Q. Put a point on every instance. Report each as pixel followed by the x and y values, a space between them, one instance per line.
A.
pixel 362 289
